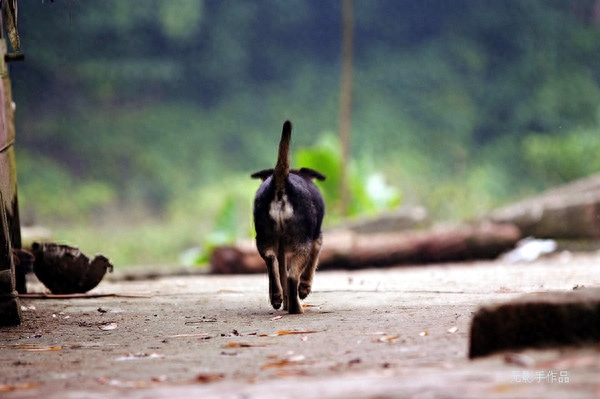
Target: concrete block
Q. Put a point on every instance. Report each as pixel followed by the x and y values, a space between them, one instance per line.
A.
pixel 540 320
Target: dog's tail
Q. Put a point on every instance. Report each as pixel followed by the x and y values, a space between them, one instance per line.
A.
pixel 282 168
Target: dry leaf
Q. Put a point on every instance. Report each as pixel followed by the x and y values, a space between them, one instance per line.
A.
pixel 389 338
pixel 108 326
pixel 244 345
pixel 44 349
pixel 280 363
pixel 31 347
pixel 18 387
pixel 206 378
pixel 291 373
pixel 136 356
pixel 423 333
pixel 290 332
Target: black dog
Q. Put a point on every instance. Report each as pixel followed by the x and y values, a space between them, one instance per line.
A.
pixel 288 212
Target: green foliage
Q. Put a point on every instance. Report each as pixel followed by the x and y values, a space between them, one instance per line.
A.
pixel 52 193
pixel 156 112
pixel 225 231
pixel 181 20
pixel 558 159
pixel 368 191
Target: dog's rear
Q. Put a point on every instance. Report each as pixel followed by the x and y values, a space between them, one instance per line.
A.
pixel 288 212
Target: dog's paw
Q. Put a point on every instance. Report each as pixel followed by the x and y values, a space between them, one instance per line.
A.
pixel 276 301
pixel 295 307
pixel 303 290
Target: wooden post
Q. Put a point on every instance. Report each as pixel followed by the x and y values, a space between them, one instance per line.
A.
pixel 10 232
pixel 346 99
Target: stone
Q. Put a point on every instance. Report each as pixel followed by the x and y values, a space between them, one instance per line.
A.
pixel 540 320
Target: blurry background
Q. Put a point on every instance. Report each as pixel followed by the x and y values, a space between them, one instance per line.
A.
pixel 138 123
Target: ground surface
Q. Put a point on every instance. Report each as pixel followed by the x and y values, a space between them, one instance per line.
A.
pixel 398 332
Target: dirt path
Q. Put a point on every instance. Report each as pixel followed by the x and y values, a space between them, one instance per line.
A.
pixel 387 332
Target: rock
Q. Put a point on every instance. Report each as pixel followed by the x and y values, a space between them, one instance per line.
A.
pixel 542 320
pixel 570 211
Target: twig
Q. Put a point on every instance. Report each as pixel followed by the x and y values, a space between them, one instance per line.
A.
pixel 85 295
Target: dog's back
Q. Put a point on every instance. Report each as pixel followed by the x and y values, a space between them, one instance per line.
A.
pixel 288 213
pixel 292 218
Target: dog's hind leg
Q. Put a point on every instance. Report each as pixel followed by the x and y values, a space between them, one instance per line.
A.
pixel 275 289
pixel 298 262
pixel 283 274
pixel 308 273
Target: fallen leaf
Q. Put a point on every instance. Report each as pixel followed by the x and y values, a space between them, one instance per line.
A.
pixel 423 333
pixel 291 373
pixel 86 295
pixel 31 347
pixel 18 387
pixel 136 356
pixel 389 338
pixel 280 363
pixel 244 345
pixel 108 326
pixel 188 335
pixel 44 349
pixel 291 332
pixel 206 378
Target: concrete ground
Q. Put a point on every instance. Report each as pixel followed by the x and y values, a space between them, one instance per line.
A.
pixel 379 333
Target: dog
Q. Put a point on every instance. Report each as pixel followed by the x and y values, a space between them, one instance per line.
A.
pixel 288 213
